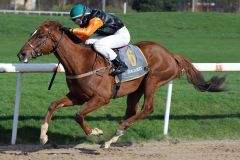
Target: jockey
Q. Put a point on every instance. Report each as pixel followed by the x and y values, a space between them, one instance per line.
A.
pixel 109 31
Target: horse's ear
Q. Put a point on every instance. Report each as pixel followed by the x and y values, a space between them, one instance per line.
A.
pixel 47 23
pixel 51 24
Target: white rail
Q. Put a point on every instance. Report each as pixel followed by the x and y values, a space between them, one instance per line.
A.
pixel 51 13
pixel 31 68
pixel 50 67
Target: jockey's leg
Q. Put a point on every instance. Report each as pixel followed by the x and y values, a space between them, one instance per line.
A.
pixel 104 46
pixel 93 39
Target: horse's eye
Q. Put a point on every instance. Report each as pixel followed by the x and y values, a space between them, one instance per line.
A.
pixel 40 36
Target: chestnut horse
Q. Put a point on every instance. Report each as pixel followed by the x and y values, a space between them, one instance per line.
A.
pixel 87 85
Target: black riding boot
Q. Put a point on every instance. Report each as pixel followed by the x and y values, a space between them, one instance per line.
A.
pixel 118 66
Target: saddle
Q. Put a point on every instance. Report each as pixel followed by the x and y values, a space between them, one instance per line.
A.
pixel 136 62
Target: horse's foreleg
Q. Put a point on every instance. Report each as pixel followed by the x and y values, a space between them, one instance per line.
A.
pixel 63 102
pixel 93 104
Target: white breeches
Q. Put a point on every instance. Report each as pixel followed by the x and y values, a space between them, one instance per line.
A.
pixel 104 44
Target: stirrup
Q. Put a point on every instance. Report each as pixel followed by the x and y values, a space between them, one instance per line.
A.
pixel 117 71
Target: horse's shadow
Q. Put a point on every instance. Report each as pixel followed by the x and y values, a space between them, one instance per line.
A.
pixel 29 135
pixel 109 117
pixel 32 136
pixel 31 139
pixel 30 147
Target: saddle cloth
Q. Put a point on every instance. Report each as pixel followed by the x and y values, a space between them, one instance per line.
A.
pixel 137 64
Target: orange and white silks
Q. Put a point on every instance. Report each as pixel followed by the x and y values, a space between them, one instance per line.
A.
pixel 85 33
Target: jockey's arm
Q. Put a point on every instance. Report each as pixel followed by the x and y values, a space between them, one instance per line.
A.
pixel 85 33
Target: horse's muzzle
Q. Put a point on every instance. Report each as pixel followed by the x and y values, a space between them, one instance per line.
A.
pixel 24 56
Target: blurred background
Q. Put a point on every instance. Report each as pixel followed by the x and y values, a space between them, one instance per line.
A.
pixel 127 5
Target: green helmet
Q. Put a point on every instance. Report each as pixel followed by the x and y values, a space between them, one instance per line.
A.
pixel 78 10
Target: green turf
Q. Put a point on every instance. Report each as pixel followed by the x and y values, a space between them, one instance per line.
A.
pixel 194 115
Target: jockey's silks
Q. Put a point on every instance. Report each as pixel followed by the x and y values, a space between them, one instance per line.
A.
pixel 85 33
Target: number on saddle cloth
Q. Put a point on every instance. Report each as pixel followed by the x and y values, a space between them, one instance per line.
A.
pixel 133 57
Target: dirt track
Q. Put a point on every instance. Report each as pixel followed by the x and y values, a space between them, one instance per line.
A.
pixel 202 150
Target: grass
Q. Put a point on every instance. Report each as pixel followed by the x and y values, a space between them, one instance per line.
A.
pixel 194 115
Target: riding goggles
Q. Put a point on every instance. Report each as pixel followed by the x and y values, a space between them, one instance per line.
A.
pixel 77 20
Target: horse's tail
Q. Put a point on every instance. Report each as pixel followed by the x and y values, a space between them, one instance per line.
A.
pixel 195 77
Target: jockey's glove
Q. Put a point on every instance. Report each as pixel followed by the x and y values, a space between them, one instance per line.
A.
pixel 66 29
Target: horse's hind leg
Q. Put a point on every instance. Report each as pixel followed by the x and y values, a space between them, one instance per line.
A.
pixel 146 109
pixel 132 101
pixel 63 102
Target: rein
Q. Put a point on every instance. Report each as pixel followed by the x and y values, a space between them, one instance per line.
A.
pixel 97 71
pixel 87 74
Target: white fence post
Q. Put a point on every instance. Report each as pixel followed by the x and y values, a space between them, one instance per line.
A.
pixel 125 7
pixel 167 108
pixel 16 108
pixel 104 5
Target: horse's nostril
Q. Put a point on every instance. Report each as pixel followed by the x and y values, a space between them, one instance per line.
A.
pixel 23 54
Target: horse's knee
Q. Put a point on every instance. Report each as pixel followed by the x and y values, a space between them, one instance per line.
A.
pixel 54 105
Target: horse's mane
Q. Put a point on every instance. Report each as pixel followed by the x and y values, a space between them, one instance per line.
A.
pixel 74 38
pixel 55 25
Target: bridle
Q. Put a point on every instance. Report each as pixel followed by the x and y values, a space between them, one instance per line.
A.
pixel 37 50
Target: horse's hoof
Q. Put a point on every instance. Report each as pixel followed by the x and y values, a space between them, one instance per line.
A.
pixel 96 132
pixel 43 140
pixel 105 145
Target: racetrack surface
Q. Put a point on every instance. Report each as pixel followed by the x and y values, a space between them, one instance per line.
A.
pixel 155 150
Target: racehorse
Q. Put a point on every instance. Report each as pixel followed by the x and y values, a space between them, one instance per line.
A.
pixel 87 85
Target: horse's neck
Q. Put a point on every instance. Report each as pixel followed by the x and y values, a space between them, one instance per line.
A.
pixel 75 58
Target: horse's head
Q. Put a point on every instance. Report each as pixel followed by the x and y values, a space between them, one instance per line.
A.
pixel 43 41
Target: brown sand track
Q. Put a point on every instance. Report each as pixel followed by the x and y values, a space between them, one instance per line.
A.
pixel 155 150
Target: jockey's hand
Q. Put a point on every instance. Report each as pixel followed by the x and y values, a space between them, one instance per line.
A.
pixel 66 29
